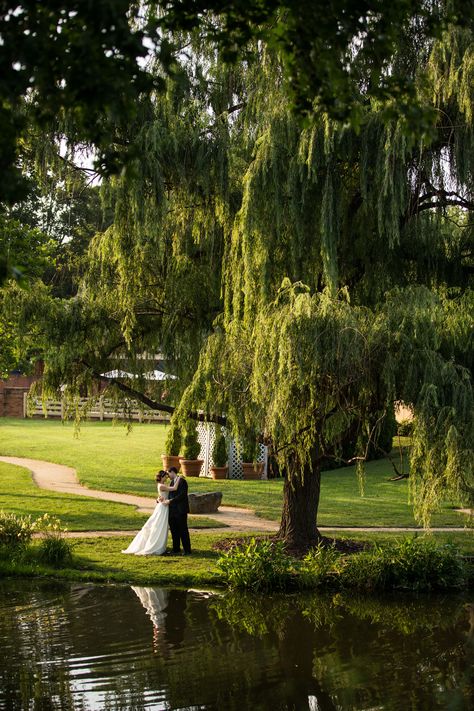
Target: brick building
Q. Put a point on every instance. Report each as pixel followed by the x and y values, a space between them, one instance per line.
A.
pixel 13 391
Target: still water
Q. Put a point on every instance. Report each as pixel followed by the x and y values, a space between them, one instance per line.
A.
pixel 76 646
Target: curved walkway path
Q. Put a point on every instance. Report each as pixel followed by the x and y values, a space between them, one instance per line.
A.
pixel 57 477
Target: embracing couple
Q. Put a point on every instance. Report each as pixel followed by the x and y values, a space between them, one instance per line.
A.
pixel 172 508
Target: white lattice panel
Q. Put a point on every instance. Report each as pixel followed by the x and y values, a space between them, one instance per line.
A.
pixel 235 461
pixel 207 436
pixel 203 438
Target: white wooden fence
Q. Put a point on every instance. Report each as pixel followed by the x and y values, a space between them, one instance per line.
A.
pixel 99 409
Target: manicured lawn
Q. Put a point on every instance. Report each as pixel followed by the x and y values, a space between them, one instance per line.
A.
pixel 104 455
pixel 385 503
pixel 107 457
pixel 101 560
pixel 19 495
pixel 105 557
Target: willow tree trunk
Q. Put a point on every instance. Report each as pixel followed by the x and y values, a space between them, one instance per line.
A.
pixel 300 508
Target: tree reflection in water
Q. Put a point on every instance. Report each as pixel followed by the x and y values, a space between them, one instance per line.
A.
pixel 351 652
pixel 85 647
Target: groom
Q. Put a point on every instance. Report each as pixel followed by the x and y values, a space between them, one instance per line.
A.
pixel 178 514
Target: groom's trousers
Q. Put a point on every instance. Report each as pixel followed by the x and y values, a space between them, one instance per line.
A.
pixel 179 532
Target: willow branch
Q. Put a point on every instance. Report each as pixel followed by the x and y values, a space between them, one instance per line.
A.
pixel 153 404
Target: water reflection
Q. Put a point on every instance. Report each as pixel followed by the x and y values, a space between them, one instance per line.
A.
pixel 358 652
pixel 84 647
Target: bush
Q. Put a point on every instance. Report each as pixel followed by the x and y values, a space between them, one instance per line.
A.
pixel 411 564
pixel 54 549
pixel 364 571
pixel 249 451
pixel 261 566
pixel 55 552
pixel 319 567
pixel 219 451
pixel 191 446
pixel 173 440
pixel 15 531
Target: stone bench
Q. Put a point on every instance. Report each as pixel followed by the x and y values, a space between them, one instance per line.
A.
pixel 204 503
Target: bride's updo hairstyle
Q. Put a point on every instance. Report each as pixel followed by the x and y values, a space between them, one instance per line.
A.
pixel 161 475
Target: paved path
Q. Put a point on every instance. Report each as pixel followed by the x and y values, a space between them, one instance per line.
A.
pixel 57 477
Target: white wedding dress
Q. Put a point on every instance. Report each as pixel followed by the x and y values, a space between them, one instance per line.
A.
pixel 152 539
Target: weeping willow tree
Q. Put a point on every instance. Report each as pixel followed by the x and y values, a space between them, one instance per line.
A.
pixel 297 280
pixel 346 287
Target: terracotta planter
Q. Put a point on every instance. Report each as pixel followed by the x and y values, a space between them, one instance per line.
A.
pixel 219 472
pixel 252 470
pixel 170 460
pixel 191 467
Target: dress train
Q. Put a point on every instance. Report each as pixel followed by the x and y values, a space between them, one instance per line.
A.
pixel 153 537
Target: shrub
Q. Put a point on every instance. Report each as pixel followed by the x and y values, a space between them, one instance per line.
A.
pixel 55 552
pixel 173 440
pixel 54 549
pixel 411 564
pixel 15 531
pixel 319 567
pixel 261 566
pixel 219 451
pixel 364 571
pixel 249 451
pixel 191 446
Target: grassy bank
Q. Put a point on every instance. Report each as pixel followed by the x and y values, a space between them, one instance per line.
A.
pixel 101 560
pixel 107 457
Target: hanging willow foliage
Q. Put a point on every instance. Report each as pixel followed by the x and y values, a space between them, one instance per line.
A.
pixel 297 279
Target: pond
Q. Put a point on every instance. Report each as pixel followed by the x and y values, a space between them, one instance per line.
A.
pixel 77 646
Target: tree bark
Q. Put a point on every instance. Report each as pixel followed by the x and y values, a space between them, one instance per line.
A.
pixel 298 527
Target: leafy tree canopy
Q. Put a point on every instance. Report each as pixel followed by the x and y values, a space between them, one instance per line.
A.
pixel 75 61
pixel 330 51
pixel 84 63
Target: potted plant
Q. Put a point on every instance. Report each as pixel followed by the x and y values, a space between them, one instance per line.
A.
pixel 251 469
pixel 219 470
pixel 172 447
pixel 190 464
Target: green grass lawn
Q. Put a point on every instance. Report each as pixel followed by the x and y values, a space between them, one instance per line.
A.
pixel 19 495
pixel 102 560
pixel 107 457
pixel 107 559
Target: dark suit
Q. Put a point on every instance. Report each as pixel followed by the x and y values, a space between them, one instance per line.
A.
pixel 178 517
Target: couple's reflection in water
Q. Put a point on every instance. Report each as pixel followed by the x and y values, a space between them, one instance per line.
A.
pixel 167 612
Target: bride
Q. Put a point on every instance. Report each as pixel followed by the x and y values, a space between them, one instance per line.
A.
pixel 151 540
